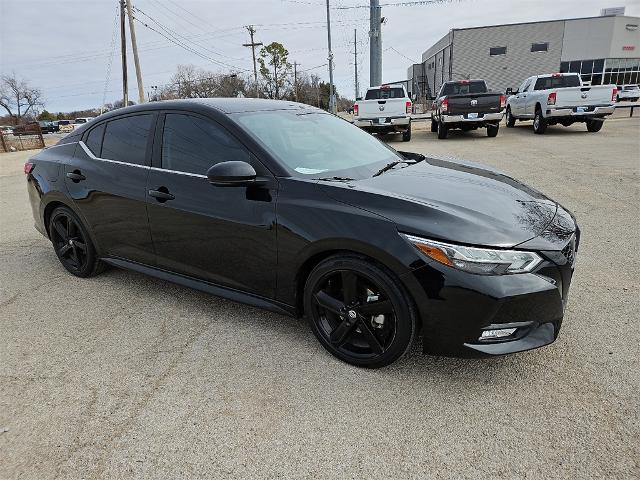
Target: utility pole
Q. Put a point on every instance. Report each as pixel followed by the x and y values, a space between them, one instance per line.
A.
pixel 253 46
pixel 123 48
pixel 355 60
pixel 134 47
pixel 375 44
pixel 332 99
pixel 295 81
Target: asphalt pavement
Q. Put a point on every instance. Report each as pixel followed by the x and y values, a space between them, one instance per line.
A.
pixel 125 376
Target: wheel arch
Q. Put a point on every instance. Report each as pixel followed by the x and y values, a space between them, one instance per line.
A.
pixel 59 201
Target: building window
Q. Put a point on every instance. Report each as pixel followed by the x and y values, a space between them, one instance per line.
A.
pixel 497 51
pixel 564 67
pixel 540 47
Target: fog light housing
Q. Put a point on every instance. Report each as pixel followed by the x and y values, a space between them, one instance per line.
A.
pixel 497 333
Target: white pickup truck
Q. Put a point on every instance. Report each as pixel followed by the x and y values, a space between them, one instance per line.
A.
pixel 385 109
pixel 560 98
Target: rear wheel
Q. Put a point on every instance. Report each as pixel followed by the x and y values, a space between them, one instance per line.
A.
pixel 72 244
pixel 442 130
pixel 492 130
pixel 406 136
pixel 359 311
pixel 594 125
pixel 539 123
pixel 434 126
pixel 511 120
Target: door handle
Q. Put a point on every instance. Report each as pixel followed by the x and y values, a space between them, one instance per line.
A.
pixel 76 176
pixel 162 194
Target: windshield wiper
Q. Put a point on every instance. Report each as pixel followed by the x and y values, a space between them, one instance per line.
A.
pixel 389 166
pixel 339 179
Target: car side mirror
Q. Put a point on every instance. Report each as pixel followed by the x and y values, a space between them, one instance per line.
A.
pixel 358 98
pixel 510 91
pixel 233 174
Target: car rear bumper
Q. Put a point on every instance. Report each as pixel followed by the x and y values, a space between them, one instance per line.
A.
pixel 571 112
pixel 399 123
pixel 487 117
pixel 457 307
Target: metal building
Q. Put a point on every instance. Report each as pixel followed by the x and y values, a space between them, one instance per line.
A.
pixel 603 50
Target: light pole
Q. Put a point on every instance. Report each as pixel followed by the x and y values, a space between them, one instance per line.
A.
pixel 332 99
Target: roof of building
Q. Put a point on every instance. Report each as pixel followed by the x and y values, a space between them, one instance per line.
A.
pixel 545 21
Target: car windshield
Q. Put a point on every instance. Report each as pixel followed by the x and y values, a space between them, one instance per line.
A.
pixel 464 88
pixel 384 93
pixel 317 144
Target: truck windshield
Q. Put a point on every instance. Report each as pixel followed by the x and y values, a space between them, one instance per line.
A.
pixel 464 88
pixel 557 82
pixel 384 93
pixel 317 145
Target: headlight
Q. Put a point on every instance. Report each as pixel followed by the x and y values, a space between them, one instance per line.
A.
pixel 482 261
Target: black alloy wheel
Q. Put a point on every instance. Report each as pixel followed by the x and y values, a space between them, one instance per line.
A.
pixel 72 243
pixel 358 312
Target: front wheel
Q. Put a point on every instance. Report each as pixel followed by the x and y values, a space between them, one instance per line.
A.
pixel 594 125
pixel 539 123
pixel 511 120
pixel 492 130
pixel 359 311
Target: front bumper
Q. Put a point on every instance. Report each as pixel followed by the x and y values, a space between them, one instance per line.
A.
pixel 456 307
pixel 388 123
pixel 572 112
pixel 487 117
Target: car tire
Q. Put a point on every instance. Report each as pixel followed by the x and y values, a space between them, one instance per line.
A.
pixel 511 120
pixel 341 297
pixel 539 122
pixel 443 131
pixel 72 244
pixel 406 135
pixel 492 130
pixel 617 98
pixel 594 125
pixel 434 126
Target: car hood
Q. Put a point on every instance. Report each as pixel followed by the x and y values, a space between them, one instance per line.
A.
pixel 450 200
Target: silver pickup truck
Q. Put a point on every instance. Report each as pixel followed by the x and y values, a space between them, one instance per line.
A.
pixel 560 98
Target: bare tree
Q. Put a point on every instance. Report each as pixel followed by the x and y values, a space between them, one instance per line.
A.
pixel 191 82
pixel 18 98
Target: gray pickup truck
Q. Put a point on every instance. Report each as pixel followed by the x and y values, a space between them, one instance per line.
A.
pixel 467 105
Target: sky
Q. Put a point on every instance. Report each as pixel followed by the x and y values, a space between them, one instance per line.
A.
pixel 70 49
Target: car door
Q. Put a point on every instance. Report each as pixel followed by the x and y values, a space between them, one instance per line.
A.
pixel 107 180
pixel 531 97
pixel 223 235
pixel 517 104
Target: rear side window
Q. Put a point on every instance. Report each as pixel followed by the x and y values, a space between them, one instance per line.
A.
pixel 125 139
pixel 193 144
pixel 557 82
pixel 94 139
pixel 384 93
pixel 463 88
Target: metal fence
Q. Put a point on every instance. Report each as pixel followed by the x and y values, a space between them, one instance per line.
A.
pixel 24 137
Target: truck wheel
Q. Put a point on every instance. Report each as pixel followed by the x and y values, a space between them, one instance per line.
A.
pixel 511 120
pixel 442 130
pixel 434 126
pixel 492 130
pixel 406 136
pixel 594 125
pixel 539 123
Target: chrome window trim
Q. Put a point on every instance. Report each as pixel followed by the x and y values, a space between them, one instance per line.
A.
pixel 93 157
pixel 188 174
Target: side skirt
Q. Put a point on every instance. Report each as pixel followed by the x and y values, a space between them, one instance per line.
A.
pixel 213 289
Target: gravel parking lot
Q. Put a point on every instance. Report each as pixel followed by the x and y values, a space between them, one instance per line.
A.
pixel 124 376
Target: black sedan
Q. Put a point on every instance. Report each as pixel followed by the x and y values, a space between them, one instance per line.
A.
pixel 283 206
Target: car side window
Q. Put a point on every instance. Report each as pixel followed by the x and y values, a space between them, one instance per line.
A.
pixel 125 139
pixel 525 85
pixel 192 144
pixel 94 139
